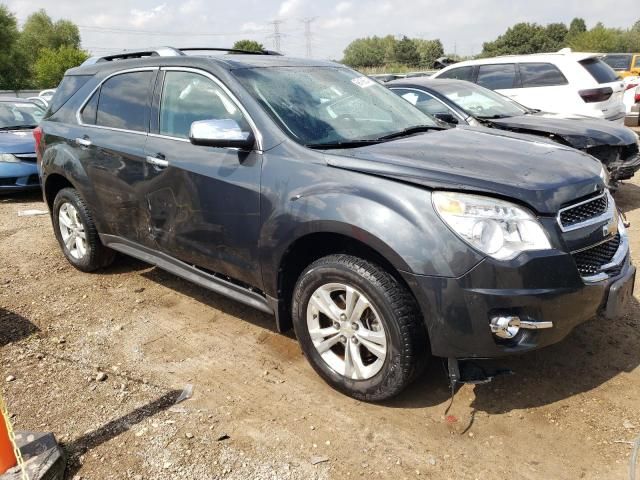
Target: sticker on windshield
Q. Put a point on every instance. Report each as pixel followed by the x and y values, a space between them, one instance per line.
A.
pixel 362 82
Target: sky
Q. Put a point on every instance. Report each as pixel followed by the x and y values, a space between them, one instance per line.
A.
pixel 462 25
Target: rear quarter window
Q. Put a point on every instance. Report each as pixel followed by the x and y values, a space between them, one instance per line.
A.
pixel 600 71
pixel 69 85
pixel 541 75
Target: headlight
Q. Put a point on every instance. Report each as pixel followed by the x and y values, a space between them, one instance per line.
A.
pixel 497 228
pixel 8 158
pixel 604 175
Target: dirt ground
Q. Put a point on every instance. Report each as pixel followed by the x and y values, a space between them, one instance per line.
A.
pixel 571 411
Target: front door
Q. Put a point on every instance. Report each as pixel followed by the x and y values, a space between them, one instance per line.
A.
pixel 203 202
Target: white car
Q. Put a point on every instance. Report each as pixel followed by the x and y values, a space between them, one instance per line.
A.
pixel 564 82
pixel 47 94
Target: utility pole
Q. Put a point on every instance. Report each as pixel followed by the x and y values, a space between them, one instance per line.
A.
pixel 276 34
pixel 307 33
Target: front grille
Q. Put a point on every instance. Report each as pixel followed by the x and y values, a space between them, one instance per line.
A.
pixel 584 211
pixel 591 260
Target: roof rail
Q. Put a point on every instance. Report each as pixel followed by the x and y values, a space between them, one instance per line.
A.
pixel 169 52
pixel 231 50
pixel 127 54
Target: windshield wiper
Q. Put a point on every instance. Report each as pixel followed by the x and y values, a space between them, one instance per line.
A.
pixel 18 127
pixel 493 117
pixel 342 144
pixel 410 131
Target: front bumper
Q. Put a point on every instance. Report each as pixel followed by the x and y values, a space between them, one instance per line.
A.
pixel 536 286
pixel 19 176
pixel 624 169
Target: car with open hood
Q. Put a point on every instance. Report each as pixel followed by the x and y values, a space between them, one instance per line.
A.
pixel 313 193
pixel 459 102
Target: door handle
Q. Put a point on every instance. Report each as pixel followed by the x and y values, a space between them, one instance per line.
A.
pixel 83 142
pixel 157 162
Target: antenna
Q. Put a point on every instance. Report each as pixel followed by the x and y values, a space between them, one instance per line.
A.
pixel 307 33
pixel 276 34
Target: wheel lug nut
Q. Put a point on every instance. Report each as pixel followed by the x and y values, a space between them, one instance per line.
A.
pixel 354 326
pixel 343 316
pixel 336 325
pixel 354 340
pixel 343 339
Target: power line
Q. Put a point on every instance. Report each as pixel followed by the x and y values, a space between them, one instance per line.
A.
pixel 276 34
pixel 307 33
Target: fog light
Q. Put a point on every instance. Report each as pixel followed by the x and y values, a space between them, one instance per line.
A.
pixel 505 327
pixel 509 326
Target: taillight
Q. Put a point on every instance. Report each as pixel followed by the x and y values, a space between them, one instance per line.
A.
pixel 37 135
pixel 637 97
pixel 630 86
pixel 596 94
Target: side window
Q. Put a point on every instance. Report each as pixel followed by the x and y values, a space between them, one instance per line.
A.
pixel 124 101
pixel 423 101
pixel 502 75
pixel 89 111
pixel 460 73
pixel 541 75
pixel 189 97
pixel 636 64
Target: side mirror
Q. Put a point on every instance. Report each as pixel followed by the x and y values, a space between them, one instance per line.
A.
pixel 447 118
pixel 220 133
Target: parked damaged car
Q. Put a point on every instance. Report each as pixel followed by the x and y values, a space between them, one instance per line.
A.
pixel 313 193
pixel 459 102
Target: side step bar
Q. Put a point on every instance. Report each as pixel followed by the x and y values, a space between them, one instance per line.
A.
pixel 193 274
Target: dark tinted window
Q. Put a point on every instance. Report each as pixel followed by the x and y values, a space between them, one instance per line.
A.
pixel 124 101
pixel 188 97
pixel 460 73
pixel 618 62
pixel 422 101
pixel 599 70
pixel 637 62
pixel 497 76
pixel 541 75
pixel 90 110
pixel 69 85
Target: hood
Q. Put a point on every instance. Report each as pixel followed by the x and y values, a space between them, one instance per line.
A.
pixel 17 141
pixel 578 131
pixel 542 174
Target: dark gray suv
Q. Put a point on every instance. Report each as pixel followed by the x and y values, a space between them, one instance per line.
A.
pixel 313 193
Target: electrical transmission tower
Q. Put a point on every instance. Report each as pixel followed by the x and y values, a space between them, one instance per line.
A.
pixel 307 34
pixel 276 34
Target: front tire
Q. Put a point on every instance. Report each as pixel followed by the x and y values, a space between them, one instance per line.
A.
pixel 359 327
pixel 77 234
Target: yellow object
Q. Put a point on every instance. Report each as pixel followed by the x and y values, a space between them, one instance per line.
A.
pixel 625 64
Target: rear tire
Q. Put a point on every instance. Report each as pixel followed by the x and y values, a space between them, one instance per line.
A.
pixel 359 327
pixel 77 234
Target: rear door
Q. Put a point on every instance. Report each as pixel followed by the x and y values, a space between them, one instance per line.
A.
pixel 544 87
pixel 117 119
pixel 501 77
pixel 202 203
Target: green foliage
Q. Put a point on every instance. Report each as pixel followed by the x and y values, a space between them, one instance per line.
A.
pixel 525 38
pixel 636 27
pixel 576 27
pixel 373 52
pixel 603 39
pixel 429 51
pixel 52 63
pixel 249 45
pixel 27 57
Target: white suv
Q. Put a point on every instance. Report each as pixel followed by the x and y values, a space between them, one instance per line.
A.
pixel 563 82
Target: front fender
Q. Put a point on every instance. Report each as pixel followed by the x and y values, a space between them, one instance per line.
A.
pixel 396 220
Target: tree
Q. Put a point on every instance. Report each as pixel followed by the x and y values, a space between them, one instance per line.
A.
pixel 525 38
pixel 405 52
pixel 603 39
pixel 52 63
pixel 365 52
pixel 636 27
pixel 429 51
pixel 248 45
pixel 13 74
pixel 576 27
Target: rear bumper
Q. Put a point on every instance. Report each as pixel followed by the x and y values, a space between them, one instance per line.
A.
pixel 19 176
pixel 536 287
